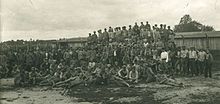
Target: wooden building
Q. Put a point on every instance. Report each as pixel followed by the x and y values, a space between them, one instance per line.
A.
pixel 73 42
pixel 200 40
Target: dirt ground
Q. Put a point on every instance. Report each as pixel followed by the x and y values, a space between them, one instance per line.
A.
pixel 197 90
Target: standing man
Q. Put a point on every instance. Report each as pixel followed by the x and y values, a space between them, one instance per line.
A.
pixel 100 35
pixel 201 61
pixel 136 29
pixel 124 32
pixel 192 60
pixel 171 34
pixel 142 26
pixel 130 32
pixel 164 57
pixel 111 33
pixel 147 26
pixel 105 36
pixel 183 55
pixel 94 37
pixel 208 61
pixel 178 60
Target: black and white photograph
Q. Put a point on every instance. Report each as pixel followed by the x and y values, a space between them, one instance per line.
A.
pixel 109 51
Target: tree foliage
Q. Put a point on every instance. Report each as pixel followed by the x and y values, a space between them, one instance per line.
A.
pixel 186 24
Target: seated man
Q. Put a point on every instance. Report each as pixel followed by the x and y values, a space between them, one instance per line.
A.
pixel 123 72
pixel 133 74
pixel 165 79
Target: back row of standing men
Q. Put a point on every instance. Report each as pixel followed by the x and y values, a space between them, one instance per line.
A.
pixel 133 34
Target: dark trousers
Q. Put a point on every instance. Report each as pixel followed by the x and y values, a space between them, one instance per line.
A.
pixel 208 70
pixel 164 66
pixel 177 65
pixel 183 65
pixel 192 66
pixel 201 67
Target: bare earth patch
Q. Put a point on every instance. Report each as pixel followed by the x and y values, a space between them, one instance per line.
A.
pixel 197 90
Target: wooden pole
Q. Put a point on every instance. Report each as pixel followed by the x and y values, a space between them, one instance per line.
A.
pixel 183 40
pixel 207 40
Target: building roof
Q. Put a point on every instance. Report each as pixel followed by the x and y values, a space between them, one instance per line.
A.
pixel 211 34
pixel 73 40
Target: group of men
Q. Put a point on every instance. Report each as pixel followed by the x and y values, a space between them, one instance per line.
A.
pixel 121 56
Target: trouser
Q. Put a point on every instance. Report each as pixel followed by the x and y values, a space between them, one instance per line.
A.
pixel 155 68
pixel 201 67
pixel 208 70
pixel 197 67
pixel 183 65
pixel 172 63
pixel 164 66
pixel 150 75
pixel 192 66
pixel 177 65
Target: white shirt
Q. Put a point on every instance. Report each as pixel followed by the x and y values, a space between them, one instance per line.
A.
pixel 192 54
pixel 164 55
pixel 201 56
pixel 183 53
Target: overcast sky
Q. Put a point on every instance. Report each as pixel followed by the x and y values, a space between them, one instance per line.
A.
pixel 54 19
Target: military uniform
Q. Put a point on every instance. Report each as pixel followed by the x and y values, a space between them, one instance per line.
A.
pixel 208 63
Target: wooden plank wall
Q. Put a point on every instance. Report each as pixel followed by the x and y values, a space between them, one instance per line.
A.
pixel 200 43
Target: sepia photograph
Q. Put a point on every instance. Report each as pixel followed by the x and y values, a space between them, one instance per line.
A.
pixel 109 51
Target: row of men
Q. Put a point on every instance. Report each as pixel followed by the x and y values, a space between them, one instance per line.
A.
pixel 189 61
pixel 94 74
pixel 133 34
pixel 178 60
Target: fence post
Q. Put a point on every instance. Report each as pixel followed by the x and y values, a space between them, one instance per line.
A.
pixel 183 40
pixel 207 40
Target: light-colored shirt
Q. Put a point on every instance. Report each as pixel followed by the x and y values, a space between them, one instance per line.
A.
pixel 192 54
pixel 164 55
pixel 183 53
pixel 201 56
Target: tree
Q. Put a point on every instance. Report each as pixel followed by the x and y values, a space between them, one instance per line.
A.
pixel 185 19
pixel 186 24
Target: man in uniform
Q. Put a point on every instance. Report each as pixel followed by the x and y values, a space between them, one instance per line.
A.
pixel 161 31
pixel 124 32
pixel 94 37
pixel 90 38
pixel 118 34
pixel 166 36
pixel 171 34
pixel 136 29
pixel 105 36
pixel 142 26
pixel 208 61
pixel 147 26
pixel 201 60
pixel 192 60
pixel 184 56
pixel 111 33
pixel 100 36
pixel 130 32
